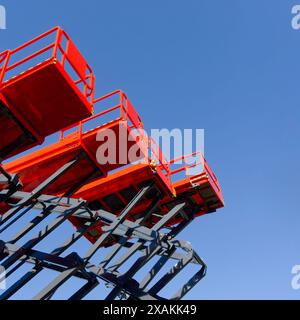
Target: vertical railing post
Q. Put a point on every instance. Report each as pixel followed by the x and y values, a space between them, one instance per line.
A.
pixel 187 169
pixel 3 69
pixel 85 87
pixel 202 161
pixel 64 52
pixel 57 42
pixel 92 94
pixel 124 111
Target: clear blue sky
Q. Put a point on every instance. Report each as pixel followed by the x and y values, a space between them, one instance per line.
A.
pixel 231 67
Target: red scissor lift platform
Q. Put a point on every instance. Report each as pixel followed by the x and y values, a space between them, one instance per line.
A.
pixel 132 193
pixel 116 190
pixel 81 148
pixel 43 89
pixel 198 188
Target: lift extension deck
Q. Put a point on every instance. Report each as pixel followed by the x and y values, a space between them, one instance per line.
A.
pixel 199 188
pixel 153 246
pixel 81 146
pixel 43 91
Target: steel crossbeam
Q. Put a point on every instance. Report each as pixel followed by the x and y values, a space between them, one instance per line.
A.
pixel 131 238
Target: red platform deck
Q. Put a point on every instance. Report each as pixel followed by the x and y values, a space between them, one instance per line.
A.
pixel 43 92
pixel 116 190
pixel 199 189
pixel 36 167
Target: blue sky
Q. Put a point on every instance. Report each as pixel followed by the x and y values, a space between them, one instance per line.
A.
pixel 230 67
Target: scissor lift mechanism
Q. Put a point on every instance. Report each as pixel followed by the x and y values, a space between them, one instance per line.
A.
pixel 132 235
pixel 45 185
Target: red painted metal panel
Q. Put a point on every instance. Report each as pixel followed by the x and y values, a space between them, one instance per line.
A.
pixel 76 60
pixel 41 95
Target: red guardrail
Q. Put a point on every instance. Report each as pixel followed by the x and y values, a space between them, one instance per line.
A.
pixel 199 161
pixel 68 52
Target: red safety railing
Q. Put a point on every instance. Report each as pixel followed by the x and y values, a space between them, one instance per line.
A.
pixel 126 113
pixel 160 161
pixel 63 50
pixel 184 165
pixel 4 58
pixel 158 156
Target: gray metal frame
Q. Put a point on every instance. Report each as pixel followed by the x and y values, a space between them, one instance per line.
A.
pixel 130 238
